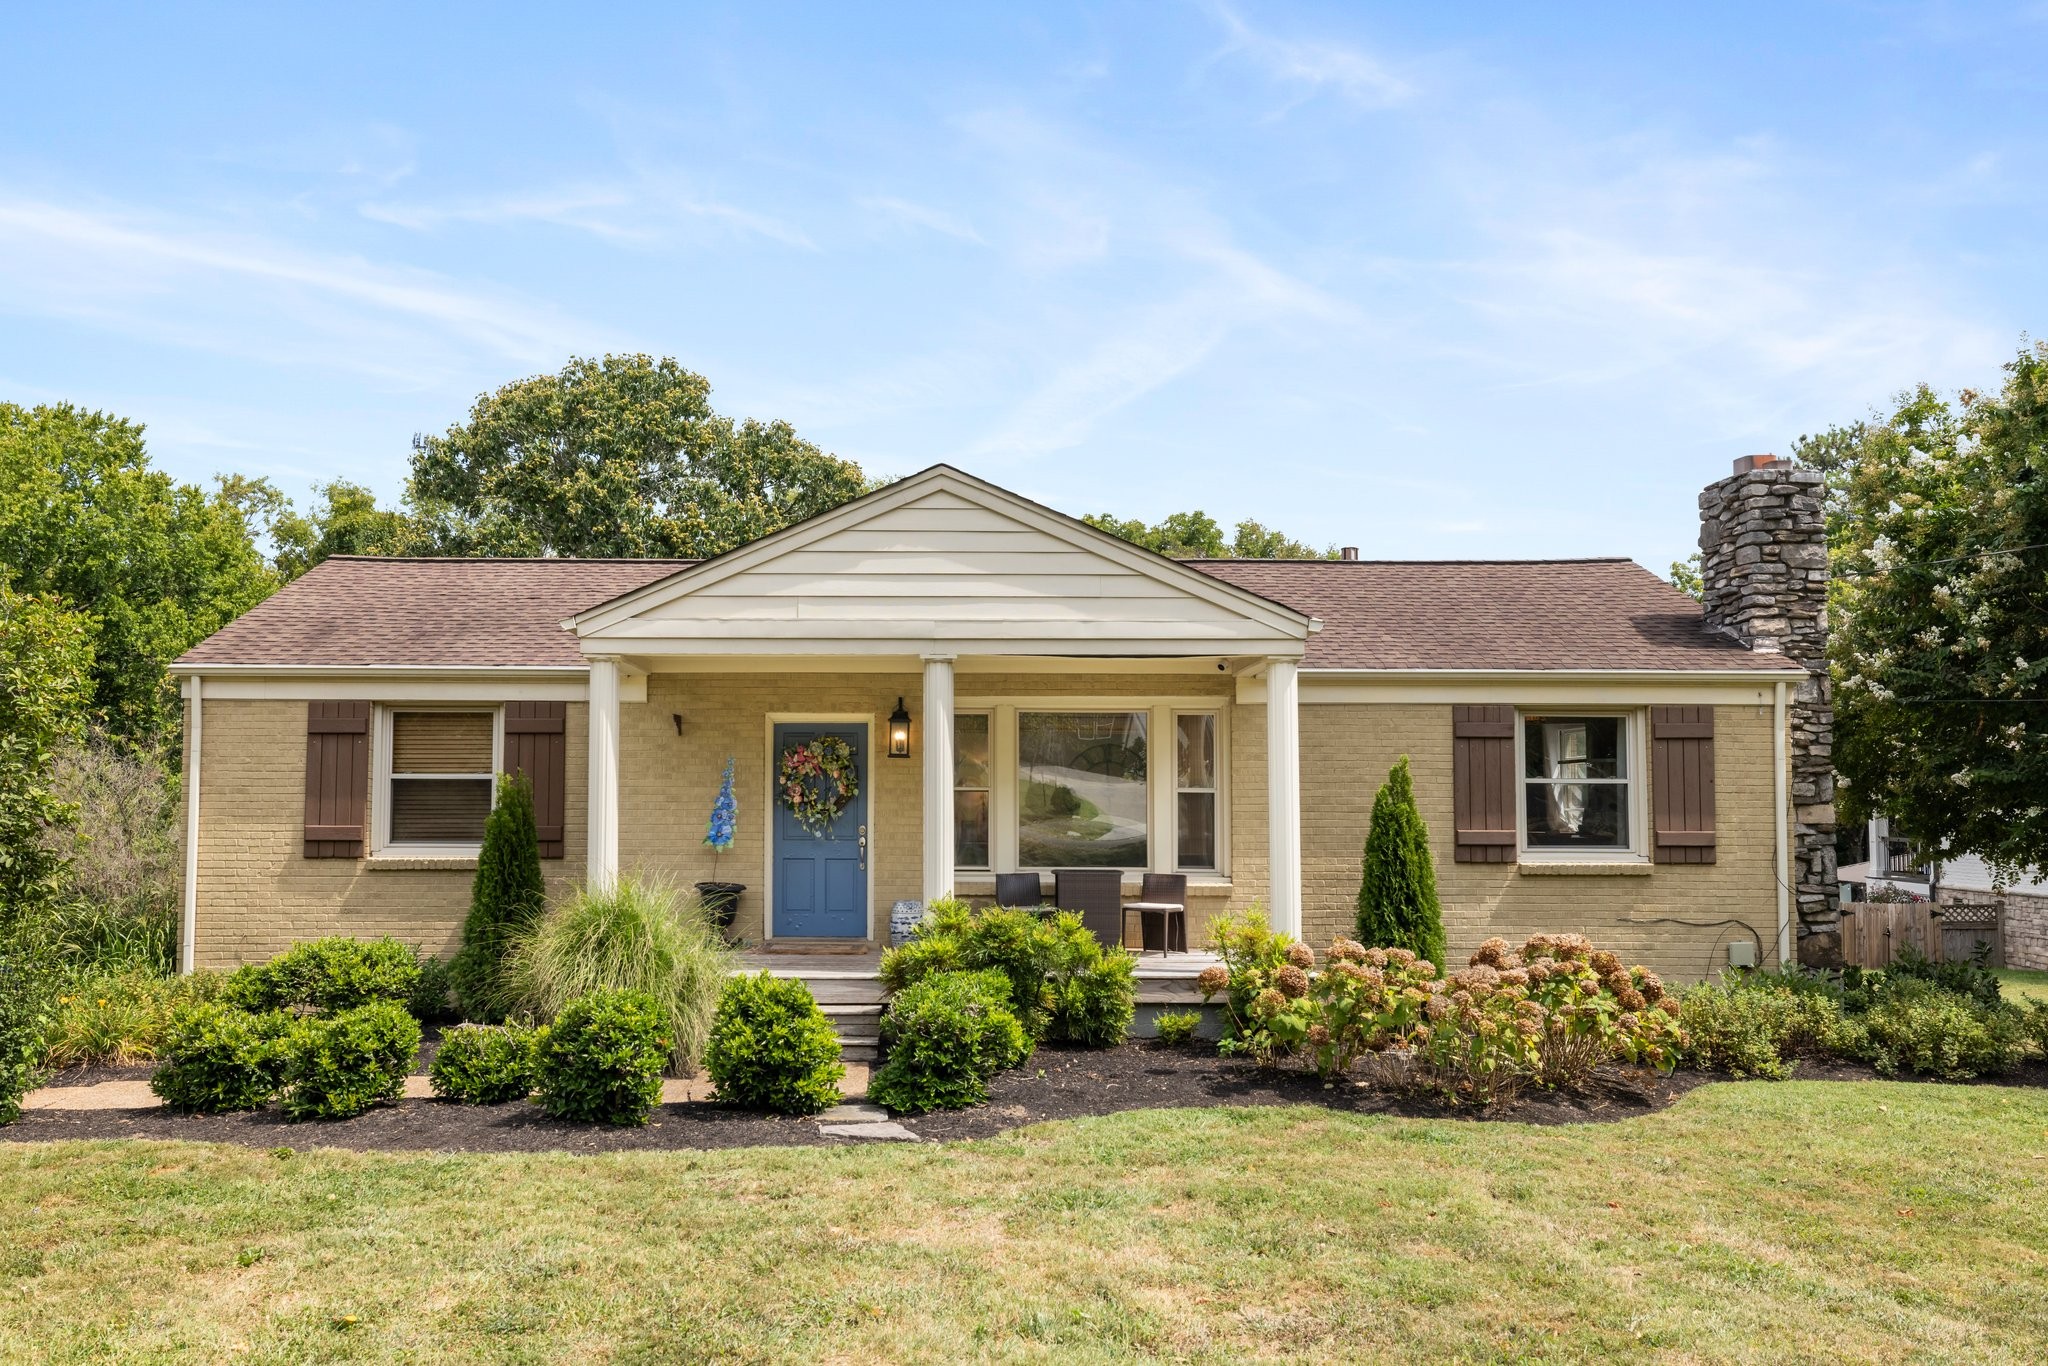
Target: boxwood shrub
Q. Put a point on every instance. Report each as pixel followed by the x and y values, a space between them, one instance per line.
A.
pixel 601 1060
pixel 484 1064
pixel 771 1048
pixel 1062 984
pixel 946 1035
pixel 337 973
pixel 216 1059
pixel 337 1066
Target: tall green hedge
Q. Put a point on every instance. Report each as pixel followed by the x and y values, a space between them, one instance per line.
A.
pixel 1397 901
pixel 507 896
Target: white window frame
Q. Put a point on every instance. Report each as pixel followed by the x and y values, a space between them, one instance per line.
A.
pixel 381 843
pixel 993 780
pixel 1174 791
pixel 1635 749
pixel 1162 834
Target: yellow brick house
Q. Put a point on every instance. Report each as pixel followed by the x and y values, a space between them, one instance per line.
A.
pixel 1018 693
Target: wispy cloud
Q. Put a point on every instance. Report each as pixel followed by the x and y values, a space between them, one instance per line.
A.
pixel 644 210
pixel 251 296
pixel 1312 66
pixel 905 213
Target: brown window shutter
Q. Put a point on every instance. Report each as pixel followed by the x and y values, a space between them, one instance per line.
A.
pixel 337 778
pixel 1483 783
pixel 535 746
pixel 1682 783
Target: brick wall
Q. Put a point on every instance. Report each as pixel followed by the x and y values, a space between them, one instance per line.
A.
pixel 1346 751
pixel 258 893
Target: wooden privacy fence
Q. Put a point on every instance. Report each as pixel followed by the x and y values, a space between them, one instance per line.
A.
pixel 1872 931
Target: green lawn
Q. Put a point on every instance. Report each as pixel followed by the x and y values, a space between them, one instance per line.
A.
pixel 2021 985
pixel 1750 1222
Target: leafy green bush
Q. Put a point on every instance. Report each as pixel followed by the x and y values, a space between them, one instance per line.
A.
pixel 484 1064
pixel 337 1066
pixel 1972 978
pixel 1093 1004
pixel 336 973
pixel 1063 984
pixel 25 1012
pixel 1917 1027
pixel 119 1016
pixel 433 995
pixel 1177 1027
pixel 216 1059
pixel 1756 1024
pixel 1397 896
pixel 771 1048
pixel 638 936
pixel 506 897
pixel 947 1035
pixel 601 1060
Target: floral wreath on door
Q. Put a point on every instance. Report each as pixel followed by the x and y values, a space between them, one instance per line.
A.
pixel 817 780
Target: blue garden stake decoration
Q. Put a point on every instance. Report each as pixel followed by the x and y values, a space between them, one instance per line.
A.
pixel 722 899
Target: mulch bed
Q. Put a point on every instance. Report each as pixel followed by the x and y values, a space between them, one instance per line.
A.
pixel 1056 1083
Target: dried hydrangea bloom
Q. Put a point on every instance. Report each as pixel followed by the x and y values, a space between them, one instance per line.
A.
pixel 1515 977
pixel 1269 1002
pixel 1401 958
pixel 1301 955
pixel 1628 1022
pixel 1669 1005
pixel 1649 983
pixel 1213 979
pixel 1292 981
pixel 1630 998
pixel 1493 953
pixel 1539 971
pixel 1478 975
pixel 1532 1011
pixel 1319 1035
pixel 1355 973
pixel 1605 963
pixel 1376 957
pixel 1346 950
pixel 1423 968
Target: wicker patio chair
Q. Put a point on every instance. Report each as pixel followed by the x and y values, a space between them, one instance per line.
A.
pixel 1098 894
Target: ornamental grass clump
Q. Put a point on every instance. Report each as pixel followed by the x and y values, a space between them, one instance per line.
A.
pixel 635 936
pixel 483 1064
pixel 771 1048
pixel 600 1061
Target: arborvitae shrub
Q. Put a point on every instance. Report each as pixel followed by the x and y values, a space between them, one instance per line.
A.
pixel 1397 900
pixel 507 896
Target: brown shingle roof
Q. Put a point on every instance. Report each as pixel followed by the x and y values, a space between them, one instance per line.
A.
pixel 366 610
pixel 1491 614
pixel 1376 614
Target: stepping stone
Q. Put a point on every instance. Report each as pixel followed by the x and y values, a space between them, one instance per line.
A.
pixel 854 1113
pixel 874 1131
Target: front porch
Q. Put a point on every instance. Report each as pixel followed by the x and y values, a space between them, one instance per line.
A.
pixel 1023 693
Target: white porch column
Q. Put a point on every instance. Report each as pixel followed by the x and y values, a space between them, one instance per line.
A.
pixel 1283 795
pixel 938 776
pixel 603 867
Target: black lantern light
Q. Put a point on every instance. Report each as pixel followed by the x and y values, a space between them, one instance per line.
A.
pixel 899 732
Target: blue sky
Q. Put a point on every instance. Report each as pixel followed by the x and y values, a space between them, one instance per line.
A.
pixel 1438 281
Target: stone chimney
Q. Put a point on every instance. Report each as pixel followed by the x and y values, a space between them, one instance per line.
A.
pixel 1764 567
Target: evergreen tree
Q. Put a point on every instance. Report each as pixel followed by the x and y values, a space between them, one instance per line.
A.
pixel 1397 904
pixel 508 895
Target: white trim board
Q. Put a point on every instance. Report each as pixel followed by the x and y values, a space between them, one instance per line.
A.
pixel 1538 689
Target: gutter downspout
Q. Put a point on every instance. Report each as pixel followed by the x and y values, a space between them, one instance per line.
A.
pixel 1781 802
pixel 188 939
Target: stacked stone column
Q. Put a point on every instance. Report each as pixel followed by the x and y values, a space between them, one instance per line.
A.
pixel 1764 564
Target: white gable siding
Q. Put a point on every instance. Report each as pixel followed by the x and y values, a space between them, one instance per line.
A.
pixel 944 571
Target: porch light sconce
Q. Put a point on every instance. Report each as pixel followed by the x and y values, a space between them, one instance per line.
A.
pixel 899 732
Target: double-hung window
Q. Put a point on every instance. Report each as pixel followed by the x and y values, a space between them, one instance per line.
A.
pixel 1578 784
pixel 438 772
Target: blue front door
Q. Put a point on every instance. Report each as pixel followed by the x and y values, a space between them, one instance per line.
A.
pixel 821 881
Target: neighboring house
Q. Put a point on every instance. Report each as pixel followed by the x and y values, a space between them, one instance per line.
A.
pixel 1895 870
pixel 1591 752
